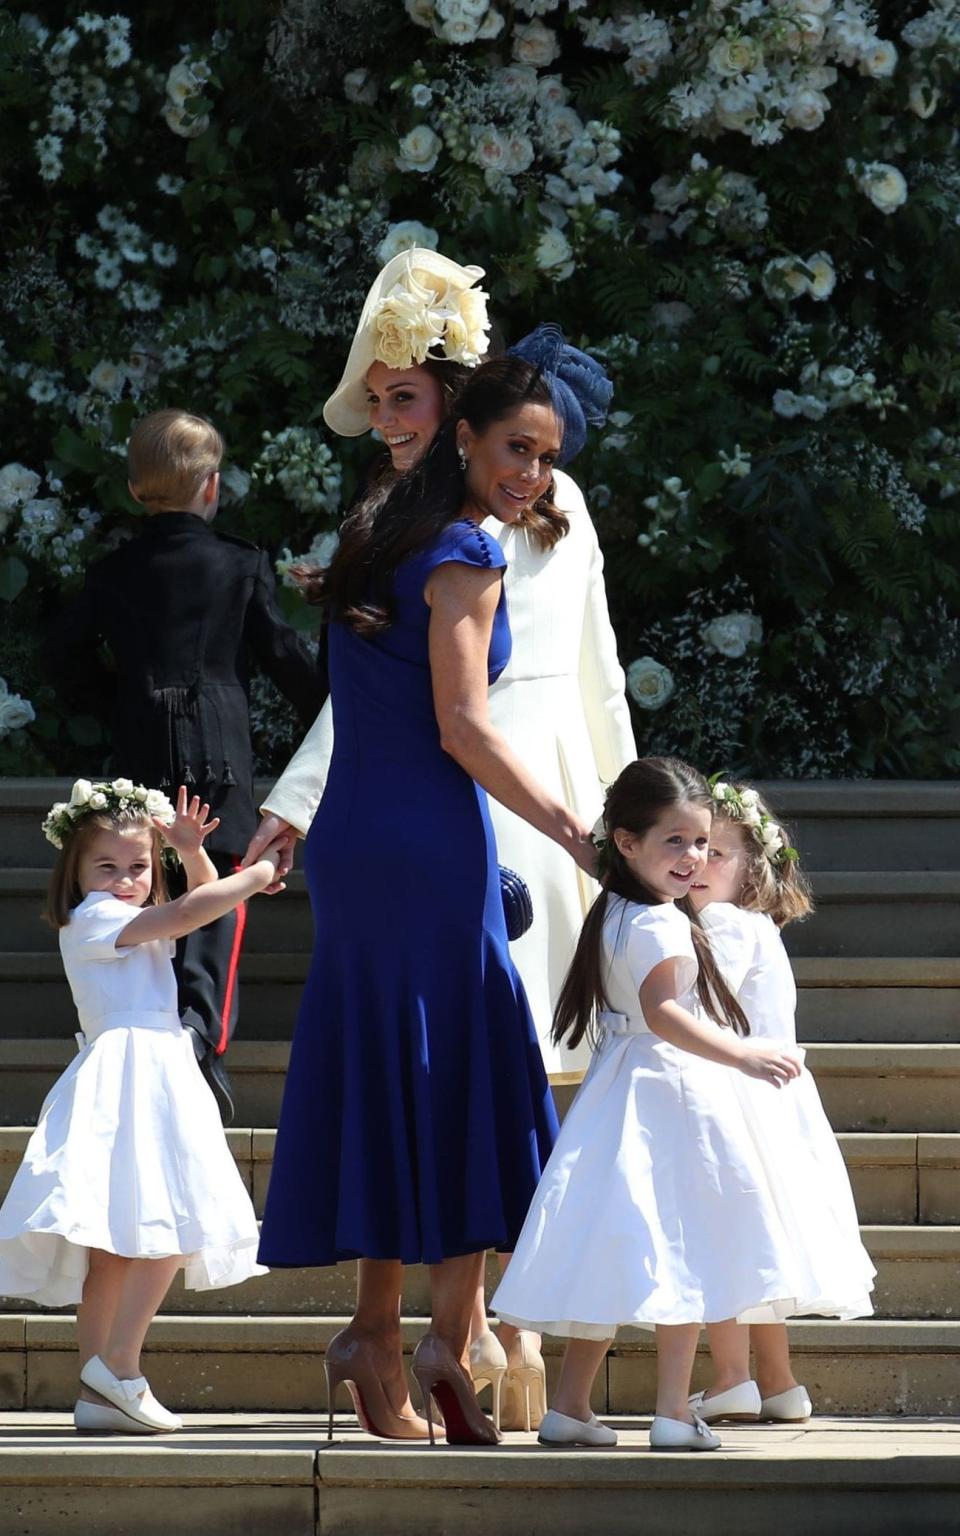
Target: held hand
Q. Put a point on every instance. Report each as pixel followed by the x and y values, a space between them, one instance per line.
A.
pixel 189 829
pixel 270 863
pixel 768 1062
pixel 272 829
pixel 585 854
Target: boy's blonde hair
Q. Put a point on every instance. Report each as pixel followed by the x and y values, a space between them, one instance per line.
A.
pixel 170 456
pixel 780 889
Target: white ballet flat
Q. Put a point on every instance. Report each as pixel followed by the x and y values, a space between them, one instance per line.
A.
pixel 98 1419
pixel 790 1407
pixel 132 1398
pixel 739 1404
pixel 559 1429
pixel 676 1435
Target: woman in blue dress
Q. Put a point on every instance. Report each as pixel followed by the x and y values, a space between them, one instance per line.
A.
pixel 417 1117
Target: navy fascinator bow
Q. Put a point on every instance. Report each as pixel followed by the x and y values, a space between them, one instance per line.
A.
pixel 579 387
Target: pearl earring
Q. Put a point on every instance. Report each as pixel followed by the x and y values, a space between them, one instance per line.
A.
pixel 462 458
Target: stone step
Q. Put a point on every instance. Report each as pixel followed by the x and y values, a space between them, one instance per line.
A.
pixel 839 824
pixel 264 1475
pixel 897 1178
pixel 877 999
pixel 275 1364
pixel 918 1276
pixel 877 913
pixel 864 1087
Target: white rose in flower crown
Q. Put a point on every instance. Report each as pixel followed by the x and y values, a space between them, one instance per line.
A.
pixel 17 485
pixel 80 793
pixel 419 149
pixel 158 805
pixel 140 794
pixel 748 798
pixel 98 801
pixel 885 186
pixel 879 60
pixel 535 44
pixel 404 236
pixel 122 786
pixel 735 56
pixel 772 835
pixel 751 816
pixel 924 98
pixel 731 633
pixel 649 683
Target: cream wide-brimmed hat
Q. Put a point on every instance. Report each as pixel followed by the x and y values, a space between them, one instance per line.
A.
pixel 421 305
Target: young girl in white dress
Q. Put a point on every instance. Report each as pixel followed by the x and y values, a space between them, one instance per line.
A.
pixel 128 1177
pixel 658 1206
pixel 751 889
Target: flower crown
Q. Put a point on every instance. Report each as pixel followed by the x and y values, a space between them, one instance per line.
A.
pixel 424 311
pixel 88 799
pixel 743 805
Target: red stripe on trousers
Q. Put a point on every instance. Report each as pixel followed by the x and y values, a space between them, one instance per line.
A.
pixel 228 991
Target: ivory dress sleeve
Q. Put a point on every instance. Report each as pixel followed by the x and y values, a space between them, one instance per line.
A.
pixel 297 792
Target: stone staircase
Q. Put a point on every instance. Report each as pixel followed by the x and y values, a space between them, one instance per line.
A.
pixel 879 978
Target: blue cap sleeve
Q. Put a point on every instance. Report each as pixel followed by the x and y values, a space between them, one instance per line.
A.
pixel 465 543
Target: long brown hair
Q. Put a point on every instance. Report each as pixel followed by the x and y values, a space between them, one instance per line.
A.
pixel 643 791
pixel 392 523
pixel 64 893
pixel 781 890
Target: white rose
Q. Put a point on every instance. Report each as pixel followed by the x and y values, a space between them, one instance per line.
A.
pixel 720 789
pixel 807 110
pixel 158 805
pixel 15 713
pixel 554 254
pixel 404 236
pixel 140 794
pixel 551 92
pixel 17 485
pixel 519 154
pixel 838 377
pixel 459 30
pixel 649 683
pixel 183 124
pixel 879 60
pixel 97 801
pixel 730 634
pixel 535 44
pixel 824 278
pixel 751 816
pixel 122 786
pixel 772 836
pixel 735 56
pixel 360 87
pixel 108 378
pixel 80 793
pixel 491 25
pixel 181 83
pixel 786 403
pixel 419 150
pixel 735 107
pixel 421 12
pixel 749 797
pixel 885 186
pixel 490 149
pixel 924 98
pixel 515 83
pixel 784 278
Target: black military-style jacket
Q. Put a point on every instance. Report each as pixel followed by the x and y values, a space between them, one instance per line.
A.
pixel 182 610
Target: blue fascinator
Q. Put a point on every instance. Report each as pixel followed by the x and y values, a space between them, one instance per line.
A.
pixel 579 387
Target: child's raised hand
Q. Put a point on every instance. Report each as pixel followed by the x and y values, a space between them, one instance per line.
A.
pixel 769 1062
pixel 187 831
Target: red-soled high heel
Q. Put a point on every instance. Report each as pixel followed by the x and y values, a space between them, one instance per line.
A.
pixel 440 1376
pixel 347 1359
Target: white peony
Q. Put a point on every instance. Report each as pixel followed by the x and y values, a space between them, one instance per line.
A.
pixel 649 683
pixel 404 236
pixel 885 186
pixel 554 254
pixel 17 485
pixel 535 44
pixel 731 633
pixel 419 150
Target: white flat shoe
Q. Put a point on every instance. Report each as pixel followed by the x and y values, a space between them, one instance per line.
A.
pixel 132 1398
pixel 98 1419
pixel 739 1404
pixel 558 1429
pixel 790 1407
pixel 676 1435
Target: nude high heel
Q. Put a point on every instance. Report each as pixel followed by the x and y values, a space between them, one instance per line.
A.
pixel 347 1359
pixel 488 1366
pixel 439 1375
pixel 526 1385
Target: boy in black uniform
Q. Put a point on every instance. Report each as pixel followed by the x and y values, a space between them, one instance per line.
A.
pixel 182 610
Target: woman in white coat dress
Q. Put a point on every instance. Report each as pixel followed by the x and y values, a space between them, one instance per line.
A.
pixel 560 702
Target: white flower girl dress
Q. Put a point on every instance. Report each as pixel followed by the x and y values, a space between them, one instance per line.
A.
pixel 129 1154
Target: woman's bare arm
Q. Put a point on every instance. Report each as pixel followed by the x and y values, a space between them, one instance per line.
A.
pixel 463 601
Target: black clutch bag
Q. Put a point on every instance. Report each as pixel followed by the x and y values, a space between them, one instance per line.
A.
pixel 517 902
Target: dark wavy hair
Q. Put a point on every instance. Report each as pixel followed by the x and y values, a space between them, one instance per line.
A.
pixel 395 520
pixel 643 791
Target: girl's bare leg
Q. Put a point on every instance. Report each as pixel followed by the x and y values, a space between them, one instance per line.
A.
pixel 582 1360
pixel 730 1350
pixel 145 1283
pixel 676 1348
pixel 771 1348
pixel 96 1312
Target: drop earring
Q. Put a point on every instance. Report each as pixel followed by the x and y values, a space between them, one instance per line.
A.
pixel 462 457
